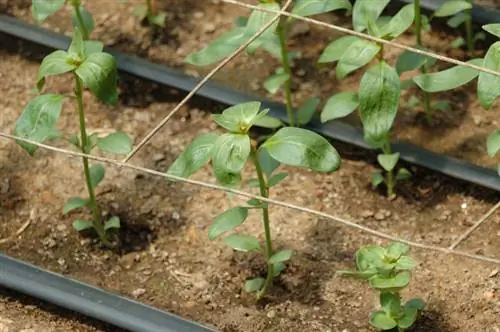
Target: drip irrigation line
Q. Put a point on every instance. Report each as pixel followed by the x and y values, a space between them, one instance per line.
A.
pixel 88 300
pixel 317 213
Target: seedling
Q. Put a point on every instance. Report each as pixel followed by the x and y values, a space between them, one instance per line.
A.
pixel 380 87
pixel 80 17
pixel 230 152
pixel 148 11
pixel 273 41
pixel 388 271
pixel 93 69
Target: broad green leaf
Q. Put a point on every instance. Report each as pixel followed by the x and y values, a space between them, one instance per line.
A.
pixel 452 7
pixel 369 257
pixel 98 73
pixel 415 303
pixel 339 106
pixel 488 85
pixel 382 321
pixel 243 243
pixel 218 49
pixel 377 179
pixel 37 120
pixel 81 225
pixel 268 122
pixel 239 118
pixel 357 55
pixel 56 63
pixel 92 46
pixel 119 143
pixel 306 110
pixel 493 143
pixel 278 268
pixel 76 49
pixel 333 52
pixel 268 164
pixel 281 256
pixel 397 249
pixel 403 174
pixel 390 303
pixel 494 29
pixel 400 22
pixel 276 81
pixel 226 221
pixel 253 285
pixel 388 161
pixel 257 20
pixel 314 7
pixel 366 11
pixel 448 79
pixel 379 94
pixel 405 263
pixel 229 154
pixel 456 20
pixel 96 174
pixel 302 148
pixel 41 9
pixel 391 283
pixel 275 179
pixel 196 155
pixel 113 222
pixel 74 203
pixel 88 21
pixel 409 315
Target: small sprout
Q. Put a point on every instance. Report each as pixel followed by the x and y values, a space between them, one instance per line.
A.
pixel 148 12
pixel 387 270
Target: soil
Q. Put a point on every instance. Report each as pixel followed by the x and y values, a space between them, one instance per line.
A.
pixel 167 260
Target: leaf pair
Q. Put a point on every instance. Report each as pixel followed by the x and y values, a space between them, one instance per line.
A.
pixel 393 315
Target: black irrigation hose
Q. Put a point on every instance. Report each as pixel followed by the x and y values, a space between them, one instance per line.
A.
pixel 88 300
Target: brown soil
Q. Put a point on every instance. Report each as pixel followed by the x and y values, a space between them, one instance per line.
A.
pixel 167 259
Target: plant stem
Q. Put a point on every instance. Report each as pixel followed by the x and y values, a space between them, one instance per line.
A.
pixel 285 61
pixel 79 18
pixel 468 29
pixel 264 192
pixel 423 69
pixel 149 13
pixel 96 213
pixel 390 174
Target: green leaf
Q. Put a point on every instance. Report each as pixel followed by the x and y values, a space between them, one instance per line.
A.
pixel 333 51
pixel 388 161
pixel 276 81
pixel 441 105
pixel 405 263
pixel 98 73
pixel 302 148
pixel 390 303
pixel 456 20
pixel 488 85
pixel 37 120
pixel 87 19
pixel 92 46
pixel 218 49
pixel 399 281
pixel 96 174
pixel 253 285
pixel 113 222
pixel 357 55
pixel 275 179
pixel 278 268
pixel 494 29
pixel 452 7
pixel 56 63
pixel 369 257
pixel 119 143
pixel 410 312
pixel 76 49
pixel 493 143
pixel 366 11
pixel 81 225
pixel 403 174
pixel 239 118
pixel 243 243
pixel 458 42
pixel 241 21
pixel 408 61
pixel 339 106
pixel 281 256
pixel 41 9
pixel 379 94
pixel 268 164
pixel 256 203
pixel 314 7
pixel 306 110
pixel 377 179
pixel 400 22
pixel 448 79
pixel 227 220
pixel 397 249
pixel 159 19
pixel 229 155
pixel 415 303
pixel 382 321
pixel 74 203
pixel 256 21
pixel 196 155
pixel 267 121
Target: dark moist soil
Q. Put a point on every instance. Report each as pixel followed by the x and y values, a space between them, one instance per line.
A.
pixel 460 132
pixel 167 260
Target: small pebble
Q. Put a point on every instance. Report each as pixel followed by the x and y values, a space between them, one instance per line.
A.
pixel 271 314
pixel 493 273
pixel 138 292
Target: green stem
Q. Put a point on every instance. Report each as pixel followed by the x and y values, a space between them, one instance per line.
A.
pixel 390 174
pixel 79 18
pixel 468 28
pixel 285 61
pixel 96 213
pixel 264 192
pixel 423 69
pixel 149 13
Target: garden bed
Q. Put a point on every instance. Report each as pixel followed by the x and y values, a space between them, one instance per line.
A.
pixel 167 260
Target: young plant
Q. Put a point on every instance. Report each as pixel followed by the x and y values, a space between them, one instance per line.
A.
pixel 230 152
pixel 380 87
pixel 93 69
pixel 388 271
pixel 80 17
pixel 148 11
pixel 273 41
